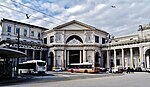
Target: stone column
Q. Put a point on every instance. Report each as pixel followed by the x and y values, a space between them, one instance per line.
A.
pixel 141 56
pixel 26 52
pixel 115 58
pixel 80 56
pixel 55 57
pixel 93 58
pixel 33 54
pixel 84 55
pixel 40 54
pixel 64 55
pixel 67 57
pixel 131 57
pixel 108 59
pixel 123 59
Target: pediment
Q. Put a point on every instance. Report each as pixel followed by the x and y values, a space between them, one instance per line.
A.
pixel 74 25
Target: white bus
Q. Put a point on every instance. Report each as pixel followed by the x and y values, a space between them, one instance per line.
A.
pixel 83 68
pixel 33 66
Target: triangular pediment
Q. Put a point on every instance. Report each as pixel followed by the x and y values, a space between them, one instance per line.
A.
pixel 74 25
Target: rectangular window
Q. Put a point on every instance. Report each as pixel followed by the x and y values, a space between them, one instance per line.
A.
pixel 17 30
pixel 118 62
pixel 25 32
pixel 45 40
pixel 32 33
pixel 39 35
pixel 96 39
pixel 51 39
pixel 103 40
pixel 9 29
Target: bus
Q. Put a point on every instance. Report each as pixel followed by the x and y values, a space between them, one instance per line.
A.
pixel 83 68
pixel 32 66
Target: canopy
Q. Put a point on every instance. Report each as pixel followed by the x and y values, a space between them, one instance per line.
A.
pixel 10 53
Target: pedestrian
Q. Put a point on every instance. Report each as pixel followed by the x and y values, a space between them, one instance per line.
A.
pixel 128 70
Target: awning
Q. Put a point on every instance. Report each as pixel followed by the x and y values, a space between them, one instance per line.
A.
pixel 10 53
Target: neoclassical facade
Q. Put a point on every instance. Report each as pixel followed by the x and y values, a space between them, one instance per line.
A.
pixel 130 50
pixel 74 42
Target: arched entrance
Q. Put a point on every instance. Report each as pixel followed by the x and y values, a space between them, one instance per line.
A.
pixel 74 55
pixel 147 59
pixel 51 60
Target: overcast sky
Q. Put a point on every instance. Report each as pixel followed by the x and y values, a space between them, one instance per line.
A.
pixel 122 19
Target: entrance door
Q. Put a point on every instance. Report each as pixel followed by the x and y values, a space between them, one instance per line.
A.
pixel 74 56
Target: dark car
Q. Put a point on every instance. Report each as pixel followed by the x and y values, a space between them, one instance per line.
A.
pixel 138 69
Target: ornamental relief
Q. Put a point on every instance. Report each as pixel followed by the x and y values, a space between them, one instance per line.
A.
pixel 74 42
pixel 58 38
pixel 88 37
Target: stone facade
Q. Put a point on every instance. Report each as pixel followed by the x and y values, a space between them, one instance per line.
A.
pixel 75 42
pixel 30 39
pixel 130 50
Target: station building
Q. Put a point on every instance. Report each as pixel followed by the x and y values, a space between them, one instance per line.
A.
pixel 77 42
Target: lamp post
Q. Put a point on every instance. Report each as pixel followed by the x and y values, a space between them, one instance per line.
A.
pixel 18 42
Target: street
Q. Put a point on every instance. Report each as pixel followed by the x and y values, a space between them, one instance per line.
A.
pixel 138 79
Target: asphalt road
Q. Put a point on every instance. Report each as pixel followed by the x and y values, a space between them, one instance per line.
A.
pixel 127 80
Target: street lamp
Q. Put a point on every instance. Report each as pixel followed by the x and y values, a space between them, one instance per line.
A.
pixel 18 42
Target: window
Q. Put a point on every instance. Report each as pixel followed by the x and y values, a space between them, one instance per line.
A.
pixel 25 32
pixel 51 39
pixel 39 35
pixel 45 40
pixel 96 39
pixel 17 30
pixel 9 29
pixel 118 62
pixel 103 40
pixel 32 33
pixel 117 53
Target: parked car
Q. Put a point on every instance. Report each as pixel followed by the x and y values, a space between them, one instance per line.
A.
pixel 138 69
pixel 148 69
pixel 57 69
pixel 103 69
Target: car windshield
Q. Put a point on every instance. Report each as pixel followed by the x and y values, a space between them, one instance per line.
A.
pixel 41 63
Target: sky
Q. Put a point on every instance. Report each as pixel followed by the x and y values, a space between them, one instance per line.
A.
pixel 117 17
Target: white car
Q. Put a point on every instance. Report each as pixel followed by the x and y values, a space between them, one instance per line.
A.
pixel 58 69
pixel 148 69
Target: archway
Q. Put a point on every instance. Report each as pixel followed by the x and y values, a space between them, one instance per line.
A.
pixel 51 60
pixel 147 59
pixel 74 37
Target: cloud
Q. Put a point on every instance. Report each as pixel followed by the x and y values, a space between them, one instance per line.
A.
pixel 124 19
